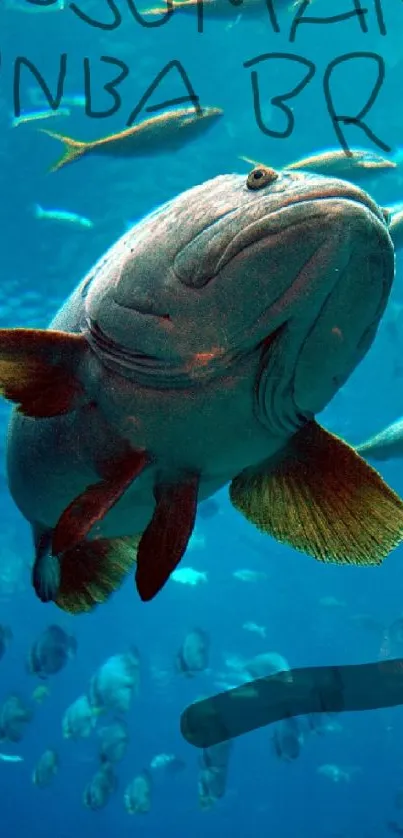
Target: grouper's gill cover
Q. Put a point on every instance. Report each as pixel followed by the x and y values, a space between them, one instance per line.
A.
pixel 196 353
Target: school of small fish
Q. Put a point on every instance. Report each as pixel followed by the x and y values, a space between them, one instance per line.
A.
pixel 101 715
pixel 112 706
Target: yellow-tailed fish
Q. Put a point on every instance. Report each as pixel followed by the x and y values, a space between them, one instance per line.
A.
pixel 160 134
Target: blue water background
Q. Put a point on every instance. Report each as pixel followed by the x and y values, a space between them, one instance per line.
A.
pixel 264 796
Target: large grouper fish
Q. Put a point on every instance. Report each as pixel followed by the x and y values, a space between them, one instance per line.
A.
pixel 195 353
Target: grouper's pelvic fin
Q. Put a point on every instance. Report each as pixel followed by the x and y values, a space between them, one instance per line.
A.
pixel 85 511
pixel 73 149
pixel 165 540
pixel 77 569
pixel 38 370
pixel 324 500
pixel 78 573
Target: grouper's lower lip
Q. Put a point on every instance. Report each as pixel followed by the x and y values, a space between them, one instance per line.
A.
pixel 98 339
pixel 293 209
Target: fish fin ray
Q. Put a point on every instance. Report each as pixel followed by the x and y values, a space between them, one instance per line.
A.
pixel 73 149
pixel 92 571
pixel 37 370
pixel 323 499
pixel 95 502
pixel 164 541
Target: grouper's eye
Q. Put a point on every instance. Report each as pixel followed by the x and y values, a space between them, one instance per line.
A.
pixel 260 177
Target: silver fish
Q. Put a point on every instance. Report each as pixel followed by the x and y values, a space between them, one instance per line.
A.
pixel 358 164
pixel 386 445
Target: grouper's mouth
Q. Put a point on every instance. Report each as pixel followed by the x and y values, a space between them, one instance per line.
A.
pixel 151 370
pixel 107 348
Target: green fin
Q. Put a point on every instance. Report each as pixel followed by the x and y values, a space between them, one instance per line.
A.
pixel 73 149
pixel 38 370
pixel 323 499
pixel 93 570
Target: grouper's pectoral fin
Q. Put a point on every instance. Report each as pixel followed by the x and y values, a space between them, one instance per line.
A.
pixel 38 370
pixel 165 540
pixel 324 500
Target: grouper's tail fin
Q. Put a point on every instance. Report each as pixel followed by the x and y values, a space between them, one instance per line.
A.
pixel 73 149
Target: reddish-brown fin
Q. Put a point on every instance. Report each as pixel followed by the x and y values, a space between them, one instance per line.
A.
pixel 165 540
pixel 93 504
pixel 92 571
pixel 38 370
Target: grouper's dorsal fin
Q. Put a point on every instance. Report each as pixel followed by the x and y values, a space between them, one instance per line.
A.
pixel 38 370
pixel 165 540
pixel 323 499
